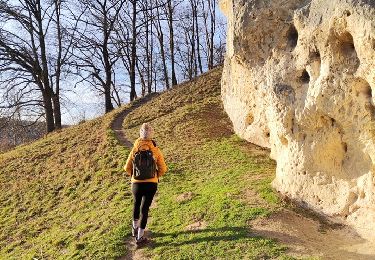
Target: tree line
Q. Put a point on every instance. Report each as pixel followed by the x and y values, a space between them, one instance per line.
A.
pixel 122 49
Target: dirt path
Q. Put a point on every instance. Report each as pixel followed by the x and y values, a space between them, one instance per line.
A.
pixel 117 128
pixel 306 235
pixel 117 123
pixel 133 252
pixel 304 232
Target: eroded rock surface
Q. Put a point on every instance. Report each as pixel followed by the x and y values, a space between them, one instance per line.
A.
pixel 299 77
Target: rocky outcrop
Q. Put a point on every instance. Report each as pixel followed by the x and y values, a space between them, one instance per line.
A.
pixel 299 77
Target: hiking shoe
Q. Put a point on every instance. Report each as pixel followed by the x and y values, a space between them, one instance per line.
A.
pixel 141 241
pixel 134 232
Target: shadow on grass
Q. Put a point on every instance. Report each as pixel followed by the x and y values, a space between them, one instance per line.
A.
pixel 203 236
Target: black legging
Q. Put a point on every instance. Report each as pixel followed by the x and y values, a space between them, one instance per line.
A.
pixel 145 191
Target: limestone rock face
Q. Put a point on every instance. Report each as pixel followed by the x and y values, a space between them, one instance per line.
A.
pixel 299 77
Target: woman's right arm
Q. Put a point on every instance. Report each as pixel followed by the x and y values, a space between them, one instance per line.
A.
pixel 162 167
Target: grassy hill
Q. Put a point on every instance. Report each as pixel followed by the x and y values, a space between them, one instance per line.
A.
pixel 66 196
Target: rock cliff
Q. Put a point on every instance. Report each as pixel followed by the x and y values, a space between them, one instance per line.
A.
pixel 299 78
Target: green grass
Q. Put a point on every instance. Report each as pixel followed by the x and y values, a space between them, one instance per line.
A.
pixel 66 196
pixel 217 169
pixel 217 186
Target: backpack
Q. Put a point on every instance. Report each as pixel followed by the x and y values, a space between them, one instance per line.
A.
pixel 144 165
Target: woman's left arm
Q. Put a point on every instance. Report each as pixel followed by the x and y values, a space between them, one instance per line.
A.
pixel 129 163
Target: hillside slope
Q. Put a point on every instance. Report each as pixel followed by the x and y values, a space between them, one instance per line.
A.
pixel 66 197
pixel 217 183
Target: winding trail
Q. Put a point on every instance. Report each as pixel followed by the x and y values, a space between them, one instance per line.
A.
pixel 117 123
pixel 118 129
pixel 132 252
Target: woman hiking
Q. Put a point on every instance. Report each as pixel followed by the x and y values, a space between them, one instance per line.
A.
pixel 145 165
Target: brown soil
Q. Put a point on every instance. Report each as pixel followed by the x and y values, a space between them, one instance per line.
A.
pixel 199 225
pixel 306 235
pixel 117 123
pixel 135 252
pixel 185 196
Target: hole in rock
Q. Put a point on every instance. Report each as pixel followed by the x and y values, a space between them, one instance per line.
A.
pixel 285 92
pixel 362 88
pixel 345 147
pixel 347 13
pixel 346 51
pixel 292 36
pixel 249 119
pixel 315 63
pixel 267 134
pixel 292 128
pixel 346 42
pixel 333 121
pixel 348 47
pixel 315 55
pixel 305 77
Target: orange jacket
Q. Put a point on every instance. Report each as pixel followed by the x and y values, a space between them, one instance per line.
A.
pixel 142 144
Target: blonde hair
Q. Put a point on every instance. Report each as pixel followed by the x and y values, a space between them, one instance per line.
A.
pixel 146 131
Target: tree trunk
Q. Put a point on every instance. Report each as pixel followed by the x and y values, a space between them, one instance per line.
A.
pixel 171 41
pixel 197 37
pixel 133 52
pixel 148 58
pixel 108 82
pixel 108 101
pixel 160 36
pixel 213 24
pixel 56 110
pixel 164 63
pixel 48 92
pixel 107 64
pixel 193 55
pixel 56 95
pixel 47 102
pixel 142 78
pixel 152 49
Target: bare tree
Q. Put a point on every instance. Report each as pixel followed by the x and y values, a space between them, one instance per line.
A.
pixel 160 37
pixel 30 65
pixel 186 43
pixel 209 18
pixel 135 36
pixel 111 45
pixel 95 48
